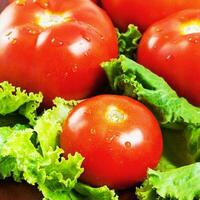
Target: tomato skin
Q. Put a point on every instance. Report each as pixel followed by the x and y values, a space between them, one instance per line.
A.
pixel 170 53
pixel 119 150
pixel 61 59
pixel 144 13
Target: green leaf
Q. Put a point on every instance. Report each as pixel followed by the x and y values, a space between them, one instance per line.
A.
pixel 90 193
pixel 13 99
pixel 181 184
pixel 49 125
pixel 55 177
pixel 128 41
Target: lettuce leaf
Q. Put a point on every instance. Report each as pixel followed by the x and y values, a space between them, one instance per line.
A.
pixel 128 41
pixel 50 124
pixel 89 193
pixel 181 184
pixel 13 99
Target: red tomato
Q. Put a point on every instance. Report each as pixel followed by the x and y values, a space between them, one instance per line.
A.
pixel 118 136
pixel 144 12
pixel 56 47
pixel 171 48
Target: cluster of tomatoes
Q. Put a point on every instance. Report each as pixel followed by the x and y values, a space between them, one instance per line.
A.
pixel 56 46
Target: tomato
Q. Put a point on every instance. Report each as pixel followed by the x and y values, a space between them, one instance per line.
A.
pixel 118 136
pixel 56 47
pixel 171 48
pixel 143 13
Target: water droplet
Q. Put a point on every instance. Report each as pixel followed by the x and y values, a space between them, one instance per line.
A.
pixel 169 57
pixel 86 38
pixel 102 37
pixel 166 36
pixel 56 42
pixel 21 2
pixel 193 40
pixel 86 54
pixel 66 75
pixel 158 30
pixel 109 140
pixel 74 68
pixel 14 41
pixel 9 33
pixel 92 131
pixel 127 144
pixel 32 31
pixel 42 3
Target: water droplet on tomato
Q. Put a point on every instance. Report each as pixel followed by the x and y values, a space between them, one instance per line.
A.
pixel 109 140
pixel 9 33
pixel 193 40
pixel 169 57
pixel 74 68
pixel 128 144
pixel 86 54
pixel 166 37
pixel 21 2
pixel 56 42
pixel 92 131
pixel 42 3
pixel 158 30
pixel 14 41
pixel 102 37
pixel 66 75
pixel 86 38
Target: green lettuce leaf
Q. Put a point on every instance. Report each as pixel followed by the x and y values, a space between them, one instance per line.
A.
pixel 89 193
pixel 181 184
pixel 54 175
pixel 128 41
pixel 13 99
pixel 49 125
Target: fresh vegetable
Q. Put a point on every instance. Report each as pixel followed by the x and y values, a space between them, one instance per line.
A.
pixel 170 48
pixel 31 153
pixel 180 122
pixel 181 184
pixel 144 13
pixel 118 137
pixel 128 41
pixel 56 47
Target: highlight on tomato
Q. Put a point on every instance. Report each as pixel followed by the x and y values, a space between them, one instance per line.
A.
pixel 171 49
pixel 144 13
pixel 118 136
pixel 56 47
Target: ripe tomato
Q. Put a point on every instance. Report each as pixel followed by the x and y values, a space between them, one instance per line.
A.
pixel 118 136
pixel 171 48
pixel 143 13
pixel 56 47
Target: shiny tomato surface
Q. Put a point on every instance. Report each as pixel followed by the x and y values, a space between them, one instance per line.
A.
pixel 56 47
pixel 144 12
pixel 118 136
pixel 171 48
